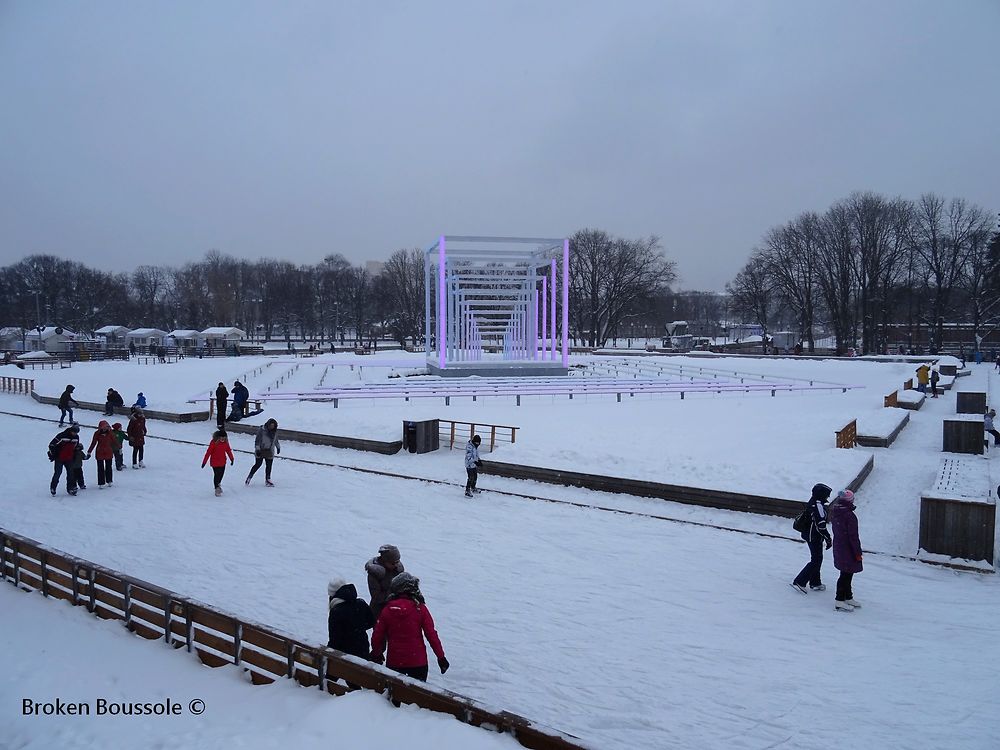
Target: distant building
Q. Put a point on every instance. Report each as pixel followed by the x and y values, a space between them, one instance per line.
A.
pixel 145 337
pixel 51 339
pixel 111 335
pixel 183 337
pixel 222 336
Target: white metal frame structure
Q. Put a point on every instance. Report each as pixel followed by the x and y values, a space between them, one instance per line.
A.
pixel 496 293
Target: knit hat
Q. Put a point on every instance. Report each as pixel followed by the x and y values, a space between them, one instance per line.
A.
pixel 846 495
pixel 405 583
pixel 116 426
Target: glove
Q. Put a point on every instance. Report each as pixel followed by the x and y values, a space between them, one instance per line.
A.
pixel 377 658
pixel 232 463
pixel 443 663
pixel 203 464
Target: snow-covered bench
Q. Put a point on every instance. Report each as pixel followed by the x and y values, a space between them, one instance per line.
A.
pixel 958 513
pixel 880 429
pixel 910 399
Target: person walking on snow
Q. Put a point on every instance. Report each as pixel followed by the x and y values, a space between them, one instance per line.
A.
pixel 104 439
pixel 79 456
pixel 136 431
pixel 816 536
pixel 472 464
pixel 404 623
pixel 381 570
pixel 989 428
pixel 923 377
pixel 221 402
pixel 121 437
pixel 64 405
pixel 349 620
pixel 265 447
pixel 846 549
pixel 61 451
pixel 935 377
pixel 216 454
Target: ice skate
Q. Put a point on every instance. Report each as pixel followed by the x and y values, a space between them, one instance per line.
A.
pixel 53 491
pixel 135 466
pixel 843 607
pixel 468 493
pixel 268 483
pixel 820 587
pixel 854 603
pixel 218 491
pixel 142 465
pixel 800 589
pixel 248 481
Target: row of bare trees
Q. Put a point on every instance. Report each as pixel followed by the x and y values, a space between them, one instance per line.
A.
pixel 614 283
pixel 871 267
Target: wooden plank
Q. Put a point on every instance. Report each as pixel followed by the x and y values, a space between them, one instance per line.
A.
pixel 259 678
pixel 108 614
pixel 146 596
pixel 141 629
pixel 214 620
pixel 264 640
pixel 265 662
pixel 57 593
pixel 213 641
pixel 211 660
pixel 338 668
pixel 112 582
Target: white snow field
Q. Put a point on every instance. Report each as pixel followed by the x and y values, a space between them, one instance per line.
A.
pixel 52 650
pixel 628 631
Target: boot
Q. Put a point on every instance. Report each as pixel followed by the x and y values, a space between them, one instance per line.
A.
pixel 248 480
pixel 218 491
pixel 468 493
pixel 268 483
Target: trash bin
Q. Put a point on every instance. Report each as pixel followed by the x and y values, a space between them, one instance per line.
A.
pixel 421 437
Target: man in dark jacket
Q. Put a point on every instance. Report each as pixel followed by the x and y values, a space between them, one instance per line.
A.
pixel 113 399
pixel 350 619
pixel 816 536
pixel 240 397
pixel 381 570
pixel 62 450
pixel 221 402
pixel 64 405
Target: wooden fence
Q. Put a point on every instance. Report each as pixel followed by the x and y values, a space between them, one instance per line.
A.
pixel 17 385
pixel 219 638
pixel 847 436
pixel 453 432
pixel 891 400
pixel 958 528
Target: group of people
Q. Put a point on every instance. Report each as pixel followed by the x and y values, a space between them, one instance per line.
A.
pixel 397 615
pixel 67 453
pixel 241 397
pixel 846 544
pixel 927 375
pixel 266 447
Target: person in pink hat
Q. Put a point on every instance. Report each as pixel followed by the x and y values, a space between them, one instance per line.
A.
pixel 846 549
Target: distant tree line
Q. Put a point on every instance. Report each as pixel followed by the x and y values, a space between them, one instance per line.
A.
pixel 870 267
pixel 617 286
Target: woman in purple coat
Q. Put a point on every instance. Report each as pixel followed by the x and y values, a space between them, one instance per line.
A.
pixel 846 549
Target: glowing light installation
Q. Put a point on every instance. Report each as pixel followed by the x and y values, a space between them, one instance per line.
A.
pixel 495 294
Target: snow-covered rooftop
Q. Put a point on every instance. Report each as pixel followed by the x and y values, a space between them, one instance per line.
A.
pixel 222 331
pixel 183 333
pixel 105 330
pixel 144 332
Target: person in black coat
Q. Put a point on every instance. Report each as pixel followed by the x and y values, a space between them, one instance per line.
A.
pixel 66 404
pixel 113 399
pixel 816 536
pixel 349 621
pixel 221 400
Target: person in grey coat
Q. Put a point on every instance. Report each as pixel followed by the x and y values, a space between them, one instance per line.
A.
pixel 381 570
pixel 265 447
pixel 472 464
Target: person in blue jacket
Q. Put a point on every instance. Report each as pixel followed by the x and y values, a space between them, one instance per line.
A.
pixel 140 401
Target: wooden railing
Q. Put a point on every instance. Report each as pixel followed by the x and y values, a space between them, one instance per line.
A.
pixel 908 385
pixel 17 385
pixel 891 400
pixel 219 638
pixel 847 436
pixel 453 432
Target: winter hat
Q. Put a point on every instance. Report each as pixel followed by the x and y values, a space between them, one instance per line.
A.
pixel 405 583
pixel 389 552
pixel 334 585
pixel 846 496
pixel 821 490
pixel 103 425
pixel 116 426
pixel 74 428
pixel 477 440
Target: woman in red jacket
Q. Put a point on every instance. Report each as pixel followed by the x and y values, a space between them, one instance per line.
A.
pixel 105 441
pixel 403 622
pixel 136 432
pixel 216 454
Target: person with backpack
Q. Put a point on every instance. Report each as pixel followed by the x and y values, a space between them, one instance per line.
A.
pixel 349 620
pixel 121 437
pixel 847 556
pixel 221 402
pixel 811 524
pixel 104 440
pixel 136 432
pixel 402 626
pixel 266 446
pixel 113 399
pixel 472 464
pixel 64 405
pixel 216 453
pixel 935 377
pixel 62 449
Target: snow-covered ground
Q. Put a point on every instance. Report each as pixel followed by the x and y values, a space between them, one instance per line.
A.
pixel 94 660
pixel 626 630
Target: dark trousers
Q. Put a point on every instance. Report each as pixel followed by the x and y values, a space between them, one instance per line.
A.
pixel 268 463
pixel 109 408
pixel 810 573
pixel 218 472
pixel 57 471
pixel 136 454
pixel 996 437
pixel 104 471
pixel 418 673
pixel 220 414
pixel 63 413
pixel 78 477
pixel 844 587
pixel 119 460
pixel 470 483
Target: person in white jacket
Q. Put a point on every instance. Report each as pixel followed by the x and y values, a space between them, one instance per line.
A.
pixel 472 464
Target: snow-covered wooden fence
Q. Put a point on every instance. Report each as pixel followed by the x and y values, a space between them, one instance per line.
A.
pixel 17 385
pixel 847 435
pixel 219 638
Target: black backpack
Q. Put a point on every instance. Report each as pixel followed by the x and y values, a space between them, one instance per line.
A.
pixel 802 522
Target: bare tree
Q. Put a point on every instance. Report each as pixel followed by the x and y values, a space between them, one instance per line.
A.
pixel 402 290
pixel 752 293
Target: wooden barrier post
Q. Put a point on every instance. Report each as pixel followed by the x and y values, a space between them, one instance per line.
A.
pixel 848 435
pixel 891 400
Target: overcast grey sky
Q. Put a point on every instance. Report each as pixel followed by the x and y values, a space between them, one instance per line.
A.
pixel 150 132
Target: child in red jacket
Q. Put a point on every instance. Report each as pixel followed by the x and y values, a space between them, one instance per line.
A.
pixel 216 454
pixel 403 623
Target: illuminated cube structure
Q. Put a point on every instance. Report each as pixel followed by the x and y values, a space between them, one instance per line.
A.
pixel 491 306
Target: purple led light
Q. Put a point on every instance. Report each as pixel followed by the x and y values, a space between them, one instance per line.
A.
pixel 441 304
pixel 565 310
